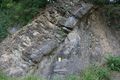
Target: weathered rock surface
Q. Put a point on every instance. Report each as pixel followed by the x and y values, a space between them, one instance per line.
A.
pixel 115 76
pixel 44 48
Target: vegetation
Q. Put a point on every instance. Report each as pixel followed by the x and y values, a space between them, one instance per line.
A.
pixel 100 73
pixel 16 13
pixel 92 73
pixel 4 77
pixel 96 73
pixel 30 78
pixel 72 77
pixel 113 15
pixel 113 63
pixel 104 2
pixel 111 10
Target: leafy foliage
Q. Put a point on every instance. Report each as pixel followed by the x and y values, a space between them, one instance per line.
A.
pixel 17 12
pixel 100 2
pixel 113 15
pixel 104 2
pixel 113 63
pixel 96 73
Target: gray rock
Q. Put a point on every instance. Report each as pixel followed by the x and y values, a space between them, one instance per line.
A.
pixel 115 76
pixel 78 13
pixel 44 50
pixel 15 72
pixel 82 10
pixel 70 22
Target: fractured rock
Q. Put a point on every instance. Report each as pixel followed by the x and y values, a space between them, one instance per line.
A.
pixel 76 15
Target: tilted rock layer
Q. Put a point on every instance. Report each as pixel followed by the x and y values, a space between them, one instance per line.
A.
pixel 45 48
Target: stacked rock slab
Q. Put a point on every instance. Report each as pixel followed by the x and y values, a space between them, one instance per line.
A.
pixel 44 48
pixel 23 51
pixel 76 15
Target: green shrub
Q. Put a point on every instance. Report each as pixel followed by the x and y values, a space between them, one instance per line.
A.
pixel 113 62
pixel 95 73
pixel 98 2
pixel 91 73
pixel 103 2
pixel 113 15
pixel 17 12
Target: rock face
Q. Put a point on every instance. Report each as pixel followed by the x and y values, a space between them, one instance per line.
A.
pixel 45 48
pixel 115 76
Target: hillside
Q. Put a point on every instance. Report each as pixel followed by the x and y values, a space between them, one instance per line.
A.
pixel 65 38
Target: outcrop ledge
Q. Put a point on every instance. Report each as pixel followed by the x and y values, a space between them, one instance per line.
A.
pixel 37 47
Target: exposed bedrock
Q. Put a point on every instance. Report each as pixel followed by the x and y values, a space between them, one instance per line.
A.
pixel 57 43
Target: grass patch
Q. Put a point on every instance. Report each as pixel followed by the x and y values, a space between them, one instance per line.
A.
pixel 31 78
pixel 4 77
pixel 95 73
pixel 113 63
pixel 91 73
pixel 73 77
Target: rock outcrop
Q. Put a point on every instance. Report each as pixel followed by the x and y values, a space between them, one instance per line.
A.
pixel 48 47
